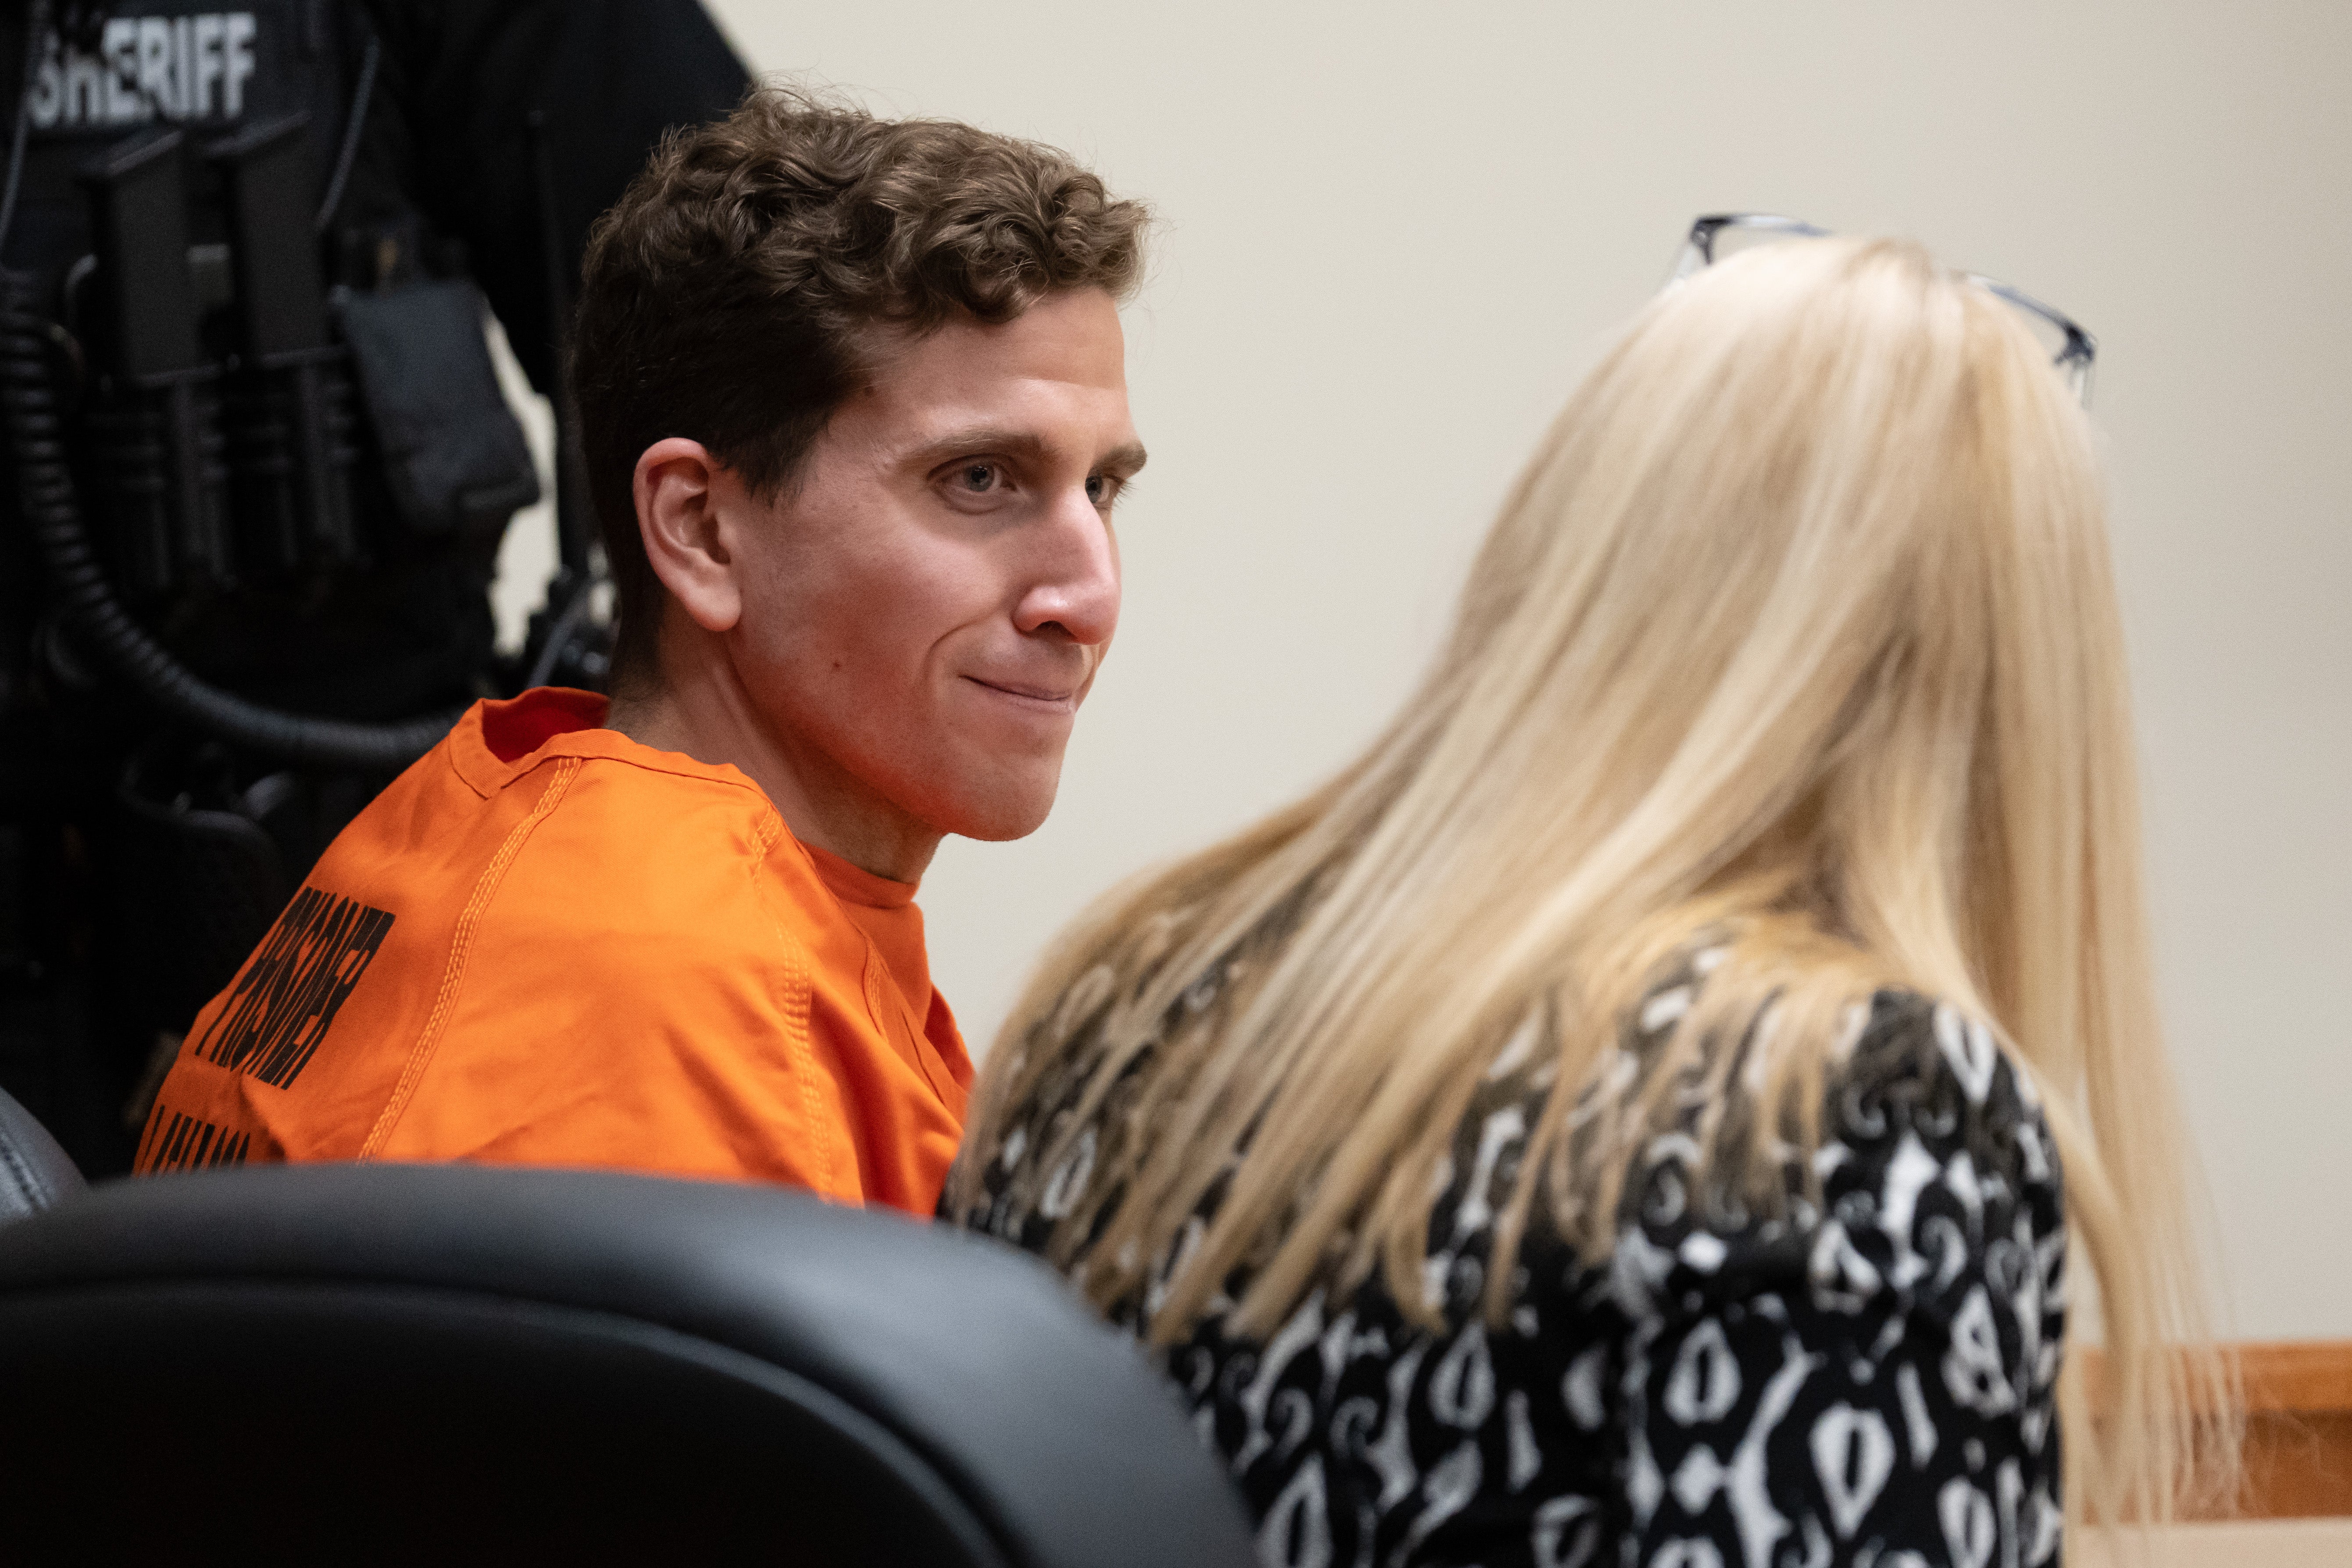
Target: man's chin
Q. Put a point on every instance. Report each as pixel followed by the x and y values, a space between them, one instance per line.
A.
pixel 995 828
pixel 1001 815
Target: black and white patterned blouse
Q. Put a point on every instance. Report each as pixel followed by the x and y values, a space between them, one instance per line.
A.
pixel 1871 1382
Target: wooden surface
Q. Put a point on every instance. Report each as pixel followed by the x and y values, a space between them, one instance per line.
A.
pixel 2311 1378
pixel 2298 1456
pixel 2298 1430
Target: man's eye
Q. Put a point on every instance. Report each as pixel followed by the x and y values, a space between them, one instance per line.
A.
pixel 1102 489
pixel 978 478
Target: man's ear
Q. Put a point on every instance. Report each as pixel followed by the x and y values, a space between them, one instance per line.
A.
pixel 677 488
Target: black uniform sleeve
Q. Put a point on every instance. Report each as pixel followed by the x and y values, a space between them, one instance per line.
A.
pixel 462 81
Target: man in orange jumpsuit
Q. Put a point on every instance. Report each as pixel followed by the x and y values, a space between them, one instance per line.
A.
pixel 853 399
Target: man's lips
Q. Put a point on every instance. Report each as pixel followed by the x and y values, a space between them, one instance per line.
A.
pixel 1042 698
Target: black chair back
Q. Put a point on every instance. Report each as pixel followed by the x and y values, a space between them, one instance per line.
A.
pixel 389 1364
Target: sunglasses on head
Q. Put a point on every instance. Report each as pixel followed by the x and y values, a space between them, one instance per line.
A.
pixel 1721 236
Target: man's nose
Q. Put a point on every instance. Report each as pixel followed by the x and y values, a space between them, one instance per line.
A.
pixel 1075 581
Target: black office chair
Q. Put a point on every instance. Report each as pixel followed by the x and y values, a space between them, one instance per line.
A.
pixel 448 1364
pixel 35 1173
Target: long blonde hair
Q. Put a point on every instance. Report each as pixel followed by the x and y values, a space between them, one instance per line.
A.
pixel 1800 624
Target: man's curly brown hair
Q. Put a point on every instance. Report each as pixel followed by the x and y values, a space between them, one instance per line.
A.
pixel 733 294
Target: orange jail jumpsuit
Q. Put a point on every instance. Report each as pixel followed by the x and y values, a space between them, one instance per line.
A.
pixel 546 944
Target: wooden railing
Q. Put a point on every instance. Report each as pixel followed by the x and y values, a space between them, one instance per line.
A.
pixel 2299 1429
pixel 2298 1455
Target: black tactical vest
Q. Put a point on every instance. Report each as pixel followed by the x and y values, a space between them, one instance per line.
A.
pixel 290 451
pixel 106 71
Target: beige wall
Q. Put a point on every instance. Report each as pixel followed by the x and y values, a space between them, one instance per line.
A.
pixel 1395 235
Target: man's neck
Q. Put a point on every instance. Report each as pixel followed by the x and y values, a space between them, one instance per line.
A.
pixel 702 709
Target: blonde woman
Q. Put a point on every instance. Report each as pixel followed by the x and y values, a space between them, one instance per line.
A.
pixel 1640 1112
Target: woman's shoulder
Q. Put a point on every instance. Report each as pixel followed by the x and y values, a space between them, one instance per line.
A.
pixel 1926 1095
pixel 1927 1110
pixel 1888 1338
pixel 1933 1175
pixel 1941 1075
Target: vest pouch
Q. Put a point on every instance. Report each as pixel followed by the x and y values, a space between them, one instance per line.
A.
pixel 290 422
pixel 452 456
pixel 151 430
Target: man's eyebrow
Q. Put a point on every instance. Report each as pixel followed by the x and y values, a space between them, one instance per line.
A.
pixel 1026 444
